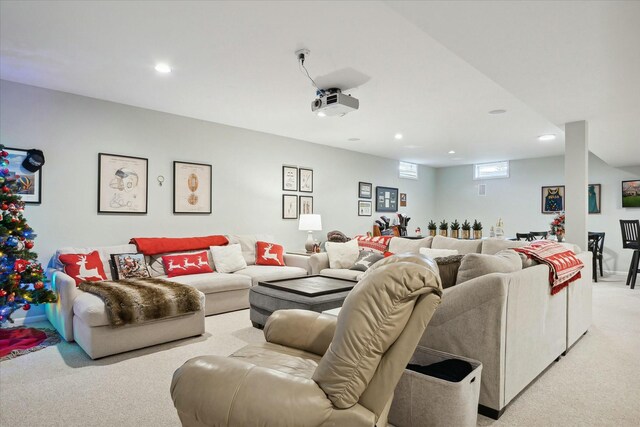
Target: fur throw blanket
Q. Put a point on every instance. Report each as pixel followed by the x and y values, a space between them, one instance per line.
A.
pixel 136 301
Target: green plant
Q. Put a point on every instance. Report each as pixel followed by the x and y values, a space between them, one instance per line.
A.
pixel 455 225
pixel 477 225
pixel 466 225
pixel 444 225
pixel 431 225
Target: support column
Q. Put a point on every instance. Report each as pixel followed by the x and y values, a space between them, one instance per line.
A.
pixel 576 178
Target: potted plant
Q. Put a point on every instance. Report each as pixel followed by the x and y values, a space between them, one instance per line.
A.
pixel 557 227
pixel 466 230
pixel 477 229
pixel 432 228
pixel 455 228
pixel 444 225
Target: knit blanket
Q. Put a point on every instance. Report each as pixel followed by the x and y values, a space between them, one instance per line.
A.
pixel 136 301
pixel 564 267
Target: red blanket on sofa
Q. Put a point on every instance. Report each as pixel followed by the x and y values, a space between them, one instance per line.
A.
pixel 161 245
pixel 564 267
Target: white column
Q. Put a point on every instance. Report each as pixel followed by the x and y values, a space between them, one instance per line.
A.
pixel 576 178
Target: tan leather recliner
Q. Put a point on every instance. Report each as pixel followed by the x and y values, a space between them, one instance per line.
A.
pixel 314 369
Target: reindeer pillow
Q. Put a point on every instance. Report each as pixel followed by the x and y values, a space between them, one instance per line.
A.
pixel 228 259
pixel 269 254
pixel 83 267
pixel 181 265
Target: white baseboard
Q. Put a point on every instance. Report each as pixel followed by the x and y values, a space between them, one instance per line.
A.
pixel 618 273
pixel 31 319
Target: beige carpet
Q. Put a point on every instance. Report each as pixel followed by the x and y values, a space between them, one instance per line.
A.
pixel 596 384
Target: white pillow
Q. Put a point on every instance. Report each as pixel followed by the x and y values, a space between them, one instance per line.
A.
pixel 228 259
pixel 400 245
pixel 437 253
pixel 342 255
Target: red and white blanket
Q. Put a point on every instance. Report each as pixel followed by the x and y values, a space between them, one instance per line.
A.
pixel 564 267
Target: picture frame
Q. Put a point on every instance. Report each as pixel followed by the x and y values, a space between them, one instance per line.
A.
pixel 365 190
pixel 386 199
pixel 365 208
pixel 289 206
pixel 122 184
pixel 192 188
pixel 631 194
pixel 305 180
pixel 552 200
pixel 306 205
pixel 29 184
pixel 289 178
pixel 593 194
pixel 403 199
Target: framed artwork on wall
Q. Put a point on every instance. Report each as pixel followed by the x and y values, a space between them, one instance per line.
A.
pixel 289 178
pixel 306 180
pixel 28 184
pixel 191 188
pixel 553 199
pixel 364 208
pixel 594 198
pixel 289 206
pixel 403 199
pixel 631 194
pixel 122 184
pixel 306 205
pixel 365 190
pixel 386 199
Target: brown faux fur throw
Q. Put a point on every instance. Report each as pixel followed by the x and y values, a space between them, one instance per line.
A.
pixel 136 301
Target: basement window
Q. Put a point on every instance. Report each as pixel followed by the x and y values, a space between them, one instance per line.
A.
pixel 491 170
pixel 408 170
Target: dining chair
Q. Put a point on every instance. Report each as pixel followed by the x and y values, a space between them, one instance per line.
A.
pixel 524 236
pixel 631 240
pixel 596 246
pixel 538 235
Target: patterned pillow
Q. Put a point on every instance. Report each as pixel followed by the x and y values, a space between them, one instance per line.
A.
pixel 448 267
pixel 181 265
pixel 129 266
pixel 83 266
pixel 373 244
pixel 269 254
pixel 365 260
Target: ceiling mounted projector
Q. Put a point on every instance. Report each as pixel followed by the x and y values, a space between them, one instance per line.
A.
pixel 332 102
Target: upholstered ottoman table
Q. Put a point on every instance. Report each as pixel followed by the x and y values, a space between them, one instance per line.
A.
pixel 314 293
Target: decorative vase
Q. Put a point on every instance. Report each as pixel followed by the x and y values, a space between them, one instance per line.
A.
pixel 443 233
pixel 454 234
pixel 466 234
pixel 477 234
pixel 560 236
pixel 432 233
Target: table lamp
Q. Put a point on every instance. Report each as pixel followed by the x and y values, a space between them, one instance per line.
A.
pixel 310 223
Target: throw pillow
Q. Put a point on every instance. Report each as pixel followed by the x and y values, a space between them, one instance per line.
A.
pixel 377 244
pixel 437 253
pixel 476 265
pixel 448 267
pixel 342 255
pixel 400 245
pixel 365 260
pixel 228 259
pixel 129 266
pixel 83 267
pixel 269 254
pixel 184 264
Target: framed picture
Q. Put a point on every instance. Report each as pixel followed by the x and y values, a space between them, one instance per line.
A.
pixel 594 198
pixel 191 188
pixel 553 199
pixel 403 199
pixel 289 206
pixel 386 199
pixel 28 184
pixel 122 184
pixel 289 178
pixel 306 180
pixel 364 208
pixel 306 205
pixel 631 194
pixel 364 190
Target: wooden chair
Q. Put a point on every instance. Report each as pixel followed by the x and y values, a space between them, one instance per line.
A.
pixel 376 231
pixel 538 235
pixel 524 236
pixel 596 246
pixel 631 240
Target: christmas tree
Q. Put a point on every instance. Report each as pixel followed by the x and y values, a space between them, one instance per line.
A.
pixel 21 276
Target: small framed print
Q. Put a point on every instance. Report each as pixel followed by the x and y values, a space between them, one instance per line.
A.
pixel 191 188
pixel 553 199
pixel 386 199
pixel 403 199
pixel 306 180
pixel 289 206
pixel 289 178
pixel 122 184
pixel 631 194
pixel 364 190
pixel 364 207
pixel 28 184
pixel 306 205
pixel 594 198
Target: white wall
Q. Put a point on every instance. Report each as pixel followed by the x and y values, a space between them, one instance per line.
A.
pixel 517 200
pixel 247 171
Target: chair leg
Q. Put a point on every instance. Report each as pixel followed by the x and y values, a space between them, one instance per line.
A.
pixel 594 268
pixel 600 260
pixel 633 259
pixel 634 265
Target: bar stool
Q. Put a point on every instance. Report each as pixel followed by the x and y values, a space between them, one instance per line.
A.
pixel 631 240
pixel 596 246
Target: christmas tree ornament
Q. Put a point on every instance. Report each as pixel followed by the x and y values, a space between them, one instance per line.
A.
pixel 26 307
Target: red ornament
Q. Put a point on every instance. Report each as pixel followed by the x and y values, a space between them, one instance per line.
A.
pixel 11 297
pixel 5 189
pixel 4 207
pixel 4 153
pixel 26 307
pixel 38 285
pixel 29 244
pixel 2 293
pixel 20 265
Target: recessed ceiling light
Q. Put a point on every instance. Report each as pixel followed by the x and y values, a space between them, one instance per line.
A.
pixel 452 152
pixel 322 114
pixel 353 139
pixel 548 137
pixel 500 111
pixel 163 68
pixel 398 136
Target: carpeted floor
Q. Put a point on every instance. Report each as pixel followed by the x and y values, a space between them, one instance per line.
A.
pixel 596 384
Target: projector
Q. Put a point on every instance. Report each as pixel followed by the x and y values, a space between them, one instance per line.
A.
pixel 333 102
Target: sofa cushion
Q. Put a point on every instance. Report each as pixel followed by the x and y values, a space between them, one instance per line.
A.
pixel 342 255
pixel 90 308
pixel 448 267
pixel 476 265
pixel 84 266
pixel 187 264
pixel 247 243
pixel 156 267
pixel 342 273
pixel 462 246
pixel 493 246
pixel 209 283
pixel 228 259
pixel 437 253
pixel 129 266
pixel 269 254
pixel 104 251
pixel 377 244
pixel 399 245
pixel 262 273
pixel 366 259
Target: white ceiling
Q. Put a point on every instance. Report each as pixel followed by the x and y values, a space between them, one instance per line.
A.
pixel 430 70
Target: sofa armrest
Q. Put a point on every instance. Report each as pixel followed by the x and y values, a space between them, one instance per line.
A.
pixel 318 262
pixel 60 313
pixel 301 329
pixel 294 260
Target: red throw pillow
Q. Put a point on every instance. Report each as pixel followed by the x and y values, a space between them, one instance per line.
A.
pixel 377 244
pixel 183 264
pixel 83 267
pixel 388 254
pixel 269 254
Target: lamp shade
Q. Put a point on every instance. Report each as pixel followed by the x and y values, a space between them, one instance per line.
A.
pixel 310 222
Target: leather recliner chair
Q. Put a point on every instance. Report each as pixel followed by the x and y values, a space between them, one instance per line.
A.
pixel 315 369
